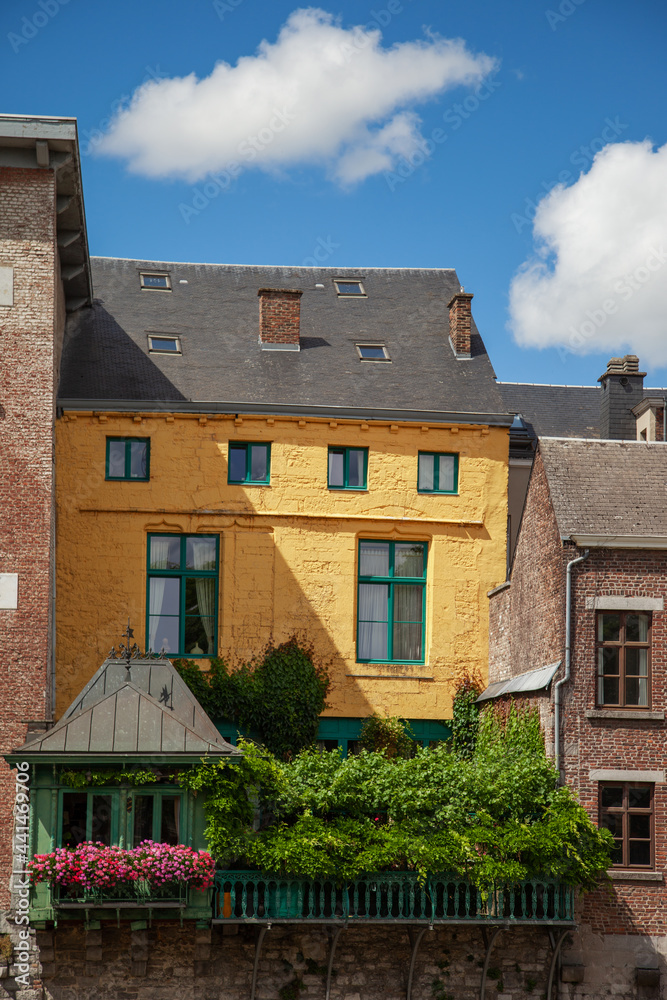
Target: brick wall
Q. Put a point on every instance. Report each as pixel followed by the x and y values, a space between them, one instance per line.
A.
pixel 500 634
pixel 536 597
pixel 527 630
pixel 27 344
pixel 590 743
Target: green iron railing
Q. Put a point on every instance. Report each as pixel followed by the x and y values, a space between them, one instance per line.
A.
pixel 387 897
pixel 139 893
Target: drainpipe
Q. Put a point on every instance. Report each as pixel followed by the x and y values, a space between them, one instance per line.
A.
pixel 568 653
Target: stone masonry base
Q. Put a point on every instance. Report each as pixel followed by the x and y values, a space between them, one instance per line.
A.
pixel 169 962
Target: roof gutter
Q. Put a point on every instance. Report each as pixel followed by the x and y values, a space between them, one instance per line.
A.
pixel 291 409
pixel 618 541
pixel 568 653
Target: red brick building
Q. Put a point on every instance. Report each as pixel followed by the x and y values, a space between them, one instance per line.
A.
pixel 43 276
pixel 580 631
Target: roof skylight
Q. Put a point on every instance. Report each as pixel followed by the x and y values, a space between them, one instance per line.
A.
pixel 164 344
pixel 155 279
pixel 349 287
pixel 372 352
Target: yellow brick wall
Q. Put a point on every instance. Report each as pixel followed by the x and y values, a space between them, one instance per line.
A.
pixel 288 551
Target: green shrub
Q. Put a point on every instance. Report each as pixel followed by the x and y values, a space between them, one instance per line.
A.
pixel 387 734
pixel 497 815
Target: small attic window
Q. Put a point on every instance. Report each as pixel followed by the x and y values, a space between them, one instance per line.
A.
pixel 372 352
pixel 154 279
pixel 351 287
pixel 164 344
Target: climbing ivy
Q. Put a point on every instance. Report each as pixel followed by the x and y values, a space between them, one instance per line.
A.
pixel 88 778
pixel 495 816
pixel 465 718
pixel 279 695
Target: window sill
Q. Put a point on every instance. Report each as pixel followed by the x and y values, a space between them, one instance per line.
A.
pixel 625 875
pixel 394 677
pixel 234 483
pixel 629 715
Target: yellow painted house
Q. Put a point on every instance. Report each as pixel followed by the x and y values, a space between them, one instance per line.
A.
pixel 248 453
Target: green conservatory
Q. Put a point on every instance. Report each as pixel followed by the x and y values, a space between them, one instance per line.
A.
pixel 117 831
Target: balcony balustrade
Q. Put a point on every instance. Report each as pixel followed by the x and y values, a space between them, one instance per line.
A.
pixel 388 897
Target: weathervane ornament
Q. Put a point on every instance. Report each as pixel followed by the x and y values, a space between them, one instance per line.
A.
pixel 126 651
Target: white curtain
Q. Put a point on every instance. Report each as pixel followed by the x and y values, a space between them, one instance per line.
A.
pixel 446 476
pixel 408 622
pixel 160 551
pixel 205 586
pixel 156 596
pixel 373 619
pixel 426 481
pixel 374 559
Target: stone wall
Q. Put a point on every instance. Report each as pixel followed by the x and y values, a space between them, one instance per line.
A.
pixel 371 963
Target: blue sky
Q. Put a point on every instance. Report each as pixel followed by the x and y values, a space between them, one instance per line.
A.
pixel 547 86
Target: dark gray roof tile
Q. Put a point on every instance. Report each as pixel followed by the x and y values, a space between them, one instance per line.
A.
pixel 216 315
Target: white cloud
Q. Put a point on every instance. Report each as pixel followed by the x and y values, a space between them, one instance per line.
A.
pixel 319 94
pixel 598 278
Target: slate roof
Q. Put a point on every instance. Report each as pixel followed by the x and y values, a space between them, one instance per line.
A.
pixel 558 410
pixel 555 410
pixel 146 712
pixel 616 488
pixel 216 315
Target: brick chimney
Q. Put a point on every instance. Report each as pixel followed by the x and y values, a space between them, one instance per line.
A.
pixel 622 389
pixel 460 319
pixel 279 317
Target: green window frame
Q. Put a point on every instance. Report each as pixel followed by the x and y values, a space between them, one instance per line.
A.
pixel 437 472
pixel 391 601
pixel 132 455
pixel 249 466
pixel 347 468
pixel 182 594
pixel 90 814
pixel 157 815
